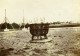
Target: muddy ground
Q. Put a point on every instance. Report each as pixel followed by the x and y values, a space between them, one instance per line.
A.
pixel 61 42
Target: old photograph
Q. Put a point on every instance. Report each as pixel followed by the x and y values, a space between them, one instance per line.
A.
pixel 39 27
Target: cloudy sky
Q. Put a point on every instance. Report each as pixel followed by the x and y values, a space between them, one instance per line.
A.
pixel 51 10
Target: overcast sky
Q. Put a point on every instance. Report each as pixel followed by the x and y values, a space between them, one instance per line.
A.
pixel 51 10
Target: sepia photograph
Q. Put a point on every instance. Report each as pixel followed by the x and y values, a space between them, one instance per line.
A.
pixel 39 27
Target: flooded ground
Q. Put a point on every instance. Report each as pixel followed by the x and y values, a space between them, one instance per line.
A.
pixel 62 42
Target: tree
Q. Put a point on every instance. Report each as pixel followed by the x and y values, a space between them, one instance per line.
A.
pixel 15 25
pixel 5 25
